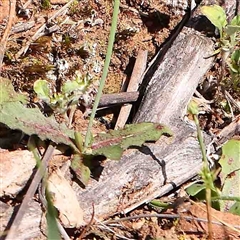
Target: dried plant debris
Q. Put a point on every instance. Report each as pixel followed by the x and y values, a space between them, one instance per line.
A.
pixel 65 200
pixel 52 44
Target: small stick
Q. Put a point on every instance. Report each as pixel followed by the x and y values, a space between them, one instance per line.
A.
pixel 173 216
pixel 30 193
pixel 118 98
pixel 231 100
pixel 135 81
pixel 228 132
pixel 7 31
pixel 88 225
pixel 22 27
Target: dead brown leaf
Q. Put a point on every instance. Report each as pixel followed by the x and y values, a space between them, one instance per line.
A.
pixel 200 228
pixel 65 200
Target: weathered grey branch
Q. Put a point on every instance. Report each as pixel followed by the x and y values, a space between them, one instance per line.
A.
pixel 155 169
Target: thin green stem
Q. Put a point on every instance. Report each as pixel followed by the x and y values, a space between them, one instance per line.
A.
pixel 105 71
pixel 200 140
pixel 206 175
pixel 226 198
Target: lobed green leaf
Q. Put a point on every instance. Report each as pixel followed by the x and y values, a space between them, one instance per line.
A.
pixel 41 88
pixel 113 143
pixel 32 122
pixel 230 173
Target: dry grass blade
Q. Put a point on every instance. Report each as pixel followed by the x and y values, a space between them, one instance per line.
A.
pixel 105 227
pixel 231 100
pixel 172 216
pixel 40 31
pixel 3 42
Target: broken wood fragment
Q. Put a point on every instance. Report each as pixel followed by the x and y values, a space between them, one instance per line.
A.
pixel 118 98
pixel 134 83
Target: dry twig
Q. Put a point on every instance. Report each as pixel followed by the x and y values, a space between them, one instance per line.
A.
pixel 40 32
pixel 7 31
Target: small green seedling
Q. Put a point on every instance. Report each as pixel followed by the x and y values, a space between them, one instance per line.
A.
pixel 69 96
pixel 228 43
pixel 206 173
pixel 226 197
pixel 219 198
pixel 228 31
pixel 234 66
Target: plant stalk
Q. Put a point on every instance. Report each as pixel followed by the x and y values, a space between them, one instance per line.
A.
pixel 207 178
pixel 105 71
